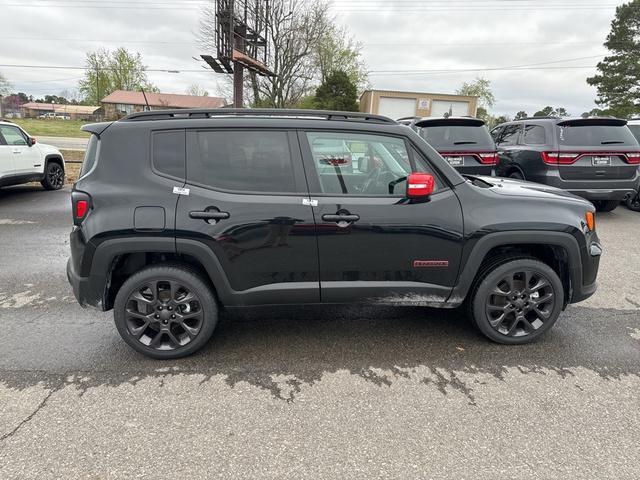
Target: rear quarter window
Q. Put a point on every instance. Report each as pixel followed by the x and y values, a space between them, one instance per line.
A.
pixel 90 155
pixel 534 135
pixel 169 153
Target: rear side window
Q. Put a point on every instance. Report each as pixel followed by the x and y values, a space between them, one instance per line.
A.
pixel 246 161
pixel 90 155
pixel 509 135
pixel 595 136
pixel 169 153
pixel 450 137
pixel 635 130
pixel 534 135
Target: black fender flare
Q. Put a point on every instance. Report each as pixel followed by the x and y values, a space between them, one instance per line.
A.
pixel 53 156
pixel 499 239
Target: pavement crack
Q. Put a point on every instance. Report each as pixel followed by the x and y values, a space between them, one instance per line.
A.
pixel 30 416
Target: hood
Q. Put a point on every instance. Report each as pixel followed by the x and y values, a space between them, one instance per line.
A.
pixel 521 188
pixel 47 149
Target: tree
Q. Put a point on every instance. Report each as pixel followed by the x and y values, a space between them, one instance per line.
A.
pixel 618 73
pixel 552 112
pixel 337 50
pixel 197 91
pixel 5 86
pixel 337 92
pixel 109 71
pixel 520 115
pixel 480 88
pixel 296 30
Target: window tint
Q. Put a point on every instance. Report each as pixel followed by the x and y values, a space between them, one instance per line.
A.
pixel 90 156
pixel 12 135
pixel 635 129
pixel 509 135
pixel 495 133
pixel 452 136
pixel 534 135
pixel 249 161
pixel 168 152
pixel 595 135
pixel 359 164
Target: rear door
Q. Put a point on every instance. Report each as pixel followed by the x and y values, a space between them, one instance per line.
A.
pixel 596 149
pixel 375 244
pixel 246 199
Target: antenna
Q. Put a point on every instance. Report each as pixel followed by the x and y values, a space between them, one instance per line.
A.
pixel 147 108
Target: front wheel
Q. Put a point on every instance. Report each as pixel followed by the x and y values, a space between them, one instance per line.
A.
pixel 516 175
pixel 633 202
pixel 516 299
pixel 606 205
pixel 53 176
pixel 165 312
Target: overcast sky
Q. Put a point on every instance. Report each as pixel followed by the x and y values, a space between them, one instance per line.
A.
pixel 398 35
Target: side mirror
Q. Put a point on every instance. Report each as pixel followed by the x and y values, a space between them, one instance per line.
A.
pixel 32 141
pixel 420 185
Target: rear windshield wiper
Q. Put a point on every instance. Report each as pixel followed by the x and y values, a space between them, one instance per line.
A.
pixel 465 143
pixel 610 142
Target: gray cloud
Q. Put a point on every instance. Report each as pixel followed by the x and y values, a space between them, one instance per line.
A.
pixel 393 38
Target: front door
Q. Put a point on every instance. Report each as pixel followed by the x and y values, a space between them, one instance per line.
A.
pixel 26 158
pixel 374 244
pixel 249 204
pixel 6 159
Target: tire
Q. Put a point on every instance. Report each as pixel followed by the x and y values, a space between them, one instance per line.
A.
pixel 520 322
pixel 633 202
pixel 516 175
pixel 165 311
pixel 606 205
pixel 53 176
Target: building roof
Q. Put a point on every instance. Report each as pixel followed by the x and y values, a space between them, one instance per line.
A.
pixel 166 100
pixel 61 108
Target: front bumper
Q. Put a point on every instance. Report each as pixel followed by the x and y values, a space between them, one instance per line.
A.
pixel 584 284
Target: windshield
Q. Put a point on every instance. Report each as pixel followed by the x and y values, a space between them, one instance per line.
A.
pixel 595 136
pixel 456 136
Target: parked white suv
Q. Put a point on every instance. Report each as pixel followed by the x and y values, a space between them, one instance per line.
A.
pixel 23 160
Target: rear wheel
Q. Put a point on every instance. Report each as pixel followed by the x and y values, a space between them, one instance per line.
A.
pixel 633 202
pixel 165 312
pixel 53 176
pixel 606 205
pixel 516 299
pixel 517 175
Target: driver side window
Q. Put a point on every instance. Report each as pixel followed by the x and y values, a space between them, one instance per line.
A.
pixel 12 135
pixel 359 164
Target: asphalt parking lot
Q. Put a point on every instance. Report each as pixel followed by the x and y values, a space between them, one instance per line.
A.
pixel 311 392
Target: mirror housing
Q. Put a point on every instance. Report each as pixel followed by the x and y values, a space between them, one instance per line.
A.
pixel 32 141
pixel 420 185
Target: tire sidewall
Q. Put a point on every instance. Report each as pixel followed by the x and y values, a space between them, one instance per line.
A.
pixel 193 283
pixel 489 282
pixel 45 181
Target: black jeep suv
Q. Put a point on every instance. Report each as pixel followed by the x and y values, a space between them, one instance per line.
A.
pixel 595 158
pixel 178 214
pixel 464 142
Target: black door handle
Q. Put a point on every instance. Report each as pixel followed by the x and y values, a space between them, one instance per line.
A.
pixel 209 215
pixel 345 217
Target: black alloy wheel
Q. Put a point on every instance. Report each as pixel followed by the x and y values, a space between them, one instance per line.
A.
pixel 520 303
pixel 54 177
pixel 165 312
pixel 516 299
pixel 633 202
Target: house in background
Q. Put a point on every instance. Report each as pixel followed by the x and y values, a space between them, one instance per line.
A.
pixel 73 112
pixel 396 105
pixel 121 102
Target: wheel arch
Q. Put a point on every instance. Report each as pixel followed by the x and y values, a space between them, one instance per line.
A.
pixel 55 158
pixel 558 250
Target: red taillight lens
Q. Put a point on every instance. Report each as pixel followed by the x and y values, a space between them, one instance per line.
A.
pixel 633 158
pixel 555 158
pixel 81 208
pixel 488 158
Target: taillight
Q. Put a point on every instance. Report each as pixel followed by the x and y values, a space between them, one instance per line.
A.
pixel 80 205
pixel 490 158
pixel 555 158
pixel 633 158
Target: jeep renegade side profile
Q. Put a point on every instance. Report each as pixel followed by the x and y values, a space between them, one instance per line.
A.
pixel 178 214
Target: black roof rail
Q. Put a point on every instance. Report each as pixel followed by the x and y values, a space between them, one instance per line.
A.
pixel 188 113
pixel 408 118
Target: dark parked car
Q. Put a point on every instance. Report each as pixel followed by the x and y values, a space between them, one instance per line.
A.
pixel 178 214
pixel 464 142
pixel 595 158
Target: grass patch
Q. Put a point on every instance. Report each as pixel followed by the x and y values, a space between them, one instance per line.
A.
pixel 73 155
pixel 71 172
pixel 52 128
